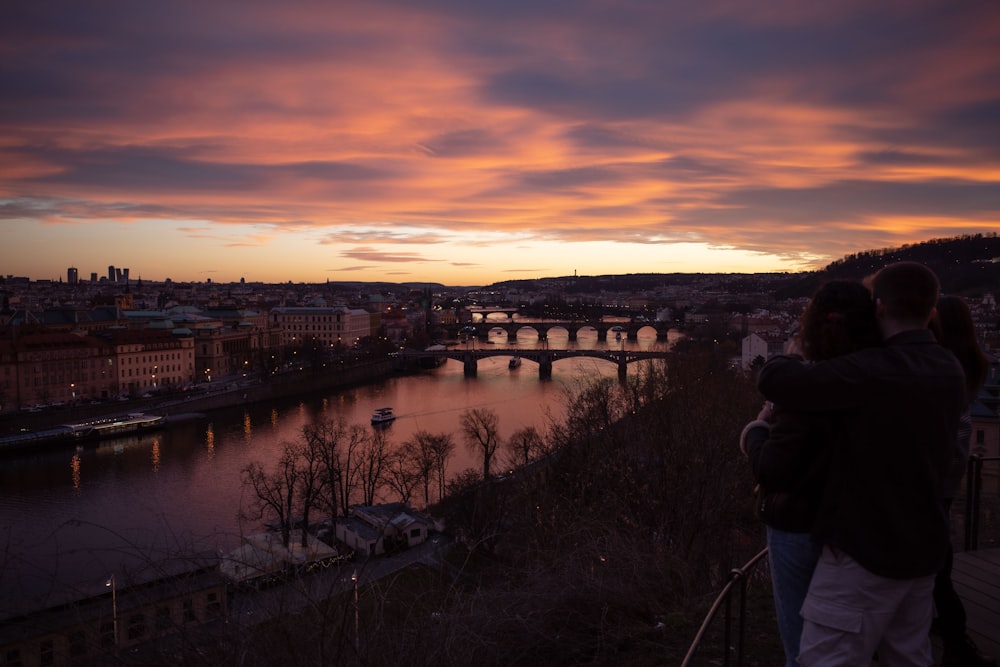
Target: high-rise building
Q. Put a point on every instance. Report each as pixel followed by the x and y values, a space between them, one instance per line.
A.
pixel 72 275
pixel 93 276
pixel 111 273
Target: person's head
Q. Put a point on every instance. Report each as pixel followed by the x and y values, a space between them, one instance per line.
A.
pixel 839 319
pixel 905 294
pixel 953 327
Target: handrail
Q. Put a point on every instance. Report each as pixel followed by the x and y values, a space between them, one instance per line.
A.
pixel 740 575
pixel 973 498
pixel 973 501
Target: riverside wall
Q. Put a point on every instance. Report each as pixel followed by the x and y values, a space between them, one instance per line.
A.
pixel 224 393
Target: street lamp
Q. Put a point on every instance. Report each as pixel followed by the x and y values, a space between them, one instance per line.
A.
pixel 110 583
pixel 357 635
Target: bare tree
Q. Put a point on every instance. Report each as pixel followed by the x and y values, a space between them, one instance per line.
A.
pixel 323 440
pixel 336 445
pixel 372 462
pixel 426 453
pixel 401 475
pixel 275 492
pixel 442 446
pixel 312 482
pixel 524 446
pixel 480 428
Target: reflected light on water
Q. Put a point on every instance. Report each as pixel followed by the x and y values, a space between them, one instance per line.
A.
pixel 74 465
pixel 247 428
pixel 155 455
pixel 210 441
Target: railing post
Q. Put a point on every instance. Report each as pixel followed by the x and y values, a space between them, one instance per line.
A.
pixel 744 578
pixel 973 492
pixel 728 623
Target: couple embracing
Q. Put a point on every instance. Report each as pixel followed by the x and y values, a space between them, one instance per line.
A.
pixel 852 452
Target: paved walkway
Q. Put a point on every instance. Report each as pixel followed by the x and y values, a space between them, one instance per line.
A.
pixel 976 575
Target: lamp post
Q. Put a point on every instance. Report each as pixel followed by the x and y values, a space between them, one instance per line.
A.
pixel 357 634
pixel 110 583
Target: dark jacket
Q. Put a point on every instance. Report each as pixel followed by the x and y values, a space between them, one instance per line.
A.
pixel 897 409
pixel 789 460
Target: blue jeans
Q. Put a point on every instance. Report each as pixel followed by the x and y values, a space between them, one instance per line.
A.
pixel 793 558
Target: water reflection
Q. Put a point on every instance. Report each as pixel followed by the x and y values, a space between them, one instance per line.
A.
pixel 210 441
pixel 247 428
pixel 74 465
pixel 155 455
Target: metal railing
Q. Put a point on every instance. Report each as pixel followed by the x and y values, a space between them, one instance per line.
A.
pixel 974 498
pixel 738 579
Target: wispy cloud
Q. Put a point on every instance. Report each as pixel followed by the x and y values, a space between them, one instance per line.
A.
pixel 441 135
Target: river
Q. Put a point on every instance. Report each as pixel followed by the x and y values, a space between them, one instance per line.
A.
pixel 70 517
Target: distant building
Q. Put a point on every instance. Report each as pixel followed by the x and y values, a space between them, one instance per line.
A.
pixel 327 325
pixel 759 346
pixel 96 626
pixel 371 529
pixel 72 275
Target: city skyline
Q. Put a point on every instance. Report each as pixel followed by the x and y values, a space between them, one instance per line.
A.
pixel 468 143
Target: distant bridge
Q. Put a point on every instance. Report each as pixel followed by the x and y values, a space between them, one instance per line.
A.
pixel 543 357
pixel 628 330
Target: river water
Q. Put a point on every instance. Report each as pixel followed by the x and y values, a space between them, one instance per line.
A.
pixel 68 518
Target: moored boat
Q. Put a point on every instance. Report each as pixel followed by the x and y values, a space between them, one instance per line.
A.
pixel 85 431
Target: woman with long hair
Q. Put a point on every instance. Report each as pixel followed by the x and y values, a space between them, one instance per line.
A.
pixel 789 451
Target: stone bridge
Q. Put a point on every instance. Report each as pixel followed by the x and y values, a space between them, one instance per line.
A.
pixel 544 357
pixel 481 329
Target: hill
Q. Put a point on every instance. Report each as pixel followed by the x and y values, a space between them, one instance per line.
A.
pixel 965 265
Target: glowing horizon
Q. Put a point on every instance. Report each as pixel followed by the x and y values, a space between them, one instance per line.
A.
pixel 468 143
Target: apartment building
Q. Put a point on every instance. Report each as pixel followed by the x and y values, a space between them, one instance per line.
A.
pixel 327 325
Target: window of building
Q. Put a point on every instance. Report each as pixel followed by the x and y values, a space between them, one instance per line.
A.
pixel 46 653
pixel 214 604
pixel 189 615
pixel 12 658
pixel 77 645
pixel 163 619
pixel 107 634
pixel 980 436
pixel 136 626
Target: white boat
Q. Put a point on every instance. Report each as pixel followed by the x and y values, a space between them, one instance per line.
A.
pixel 382 416
pixel 515 362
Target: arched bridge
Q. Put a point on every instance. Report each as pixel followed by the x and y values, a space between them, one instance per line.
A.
pixel 543 357
pixel 628 330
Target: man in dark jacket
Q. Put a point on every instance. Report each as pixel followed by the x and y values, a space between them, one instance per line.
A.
pixel 880 521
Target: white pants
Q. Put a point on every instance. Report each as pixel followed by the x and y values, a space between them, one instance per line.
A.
pixel 849 613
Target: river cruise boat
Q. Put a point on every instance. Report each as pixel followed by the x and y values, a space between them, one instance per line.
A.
pixel 383 416
pixel 515 362
pixel 82 432
pixel 103 428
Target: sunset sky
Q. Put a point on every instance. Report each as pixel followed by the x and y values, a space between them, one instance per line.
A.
pixel 470 141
